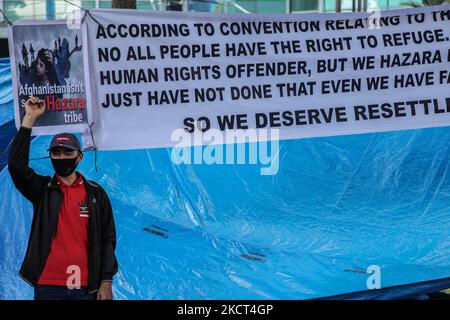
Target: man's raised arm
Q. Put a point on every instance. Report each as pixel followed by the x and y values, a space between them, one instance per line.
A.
pixel 28 182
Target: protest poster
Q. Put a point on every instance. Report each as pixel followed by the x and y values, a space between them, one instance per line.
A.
pixel 47 61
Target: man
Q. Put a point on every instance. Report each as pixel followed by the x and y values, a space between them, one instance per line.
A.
pixel 70 253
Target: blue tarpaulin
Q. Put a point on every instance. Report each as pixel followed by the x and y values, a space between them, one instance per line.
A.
pixel 7 126
pixel 336 206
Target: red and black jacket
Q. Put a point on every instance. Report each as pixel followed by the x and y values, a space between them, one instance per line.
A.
pixel 46 196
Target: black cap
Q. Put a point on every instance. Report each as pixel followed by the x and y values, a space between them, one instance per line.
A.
pixel 65 140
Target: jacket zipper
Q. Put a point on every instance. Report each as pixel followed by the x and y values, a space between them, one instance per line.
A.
pixel 91 212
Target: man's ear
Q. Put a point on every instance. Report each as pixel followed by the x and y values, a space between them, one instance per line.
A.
pixel 80 156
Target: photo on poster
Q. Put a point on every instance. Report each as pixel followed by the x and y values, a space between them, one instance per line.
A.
pixel 47 62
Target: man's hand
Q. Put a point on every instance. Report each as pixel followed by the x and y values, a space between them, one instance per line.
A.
pixel 105 291
pixel 34 108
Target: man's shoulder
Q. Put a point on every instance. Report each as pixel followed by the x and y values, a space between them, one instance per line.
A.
pixel 92 184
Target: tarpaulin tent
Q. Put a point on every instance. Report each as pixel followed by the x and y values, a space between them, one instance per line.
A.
pixel 336 206
pixel 7 127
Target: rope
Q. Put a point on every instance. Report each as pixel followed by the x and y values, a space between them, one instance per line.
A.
pixel 86 12
pixel 94 147
pixel 6 18
pixel 75 5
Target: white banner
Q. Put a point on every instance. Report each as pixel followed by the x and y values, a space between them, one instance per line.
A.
pixel 159 79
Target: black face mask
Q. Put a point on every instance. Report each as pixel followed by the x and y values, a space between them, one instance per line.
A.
pixel 64 167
